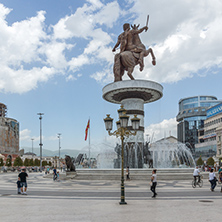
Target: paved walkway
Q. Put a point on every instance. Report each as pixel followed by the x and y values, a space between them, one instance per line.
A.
pixel 92 201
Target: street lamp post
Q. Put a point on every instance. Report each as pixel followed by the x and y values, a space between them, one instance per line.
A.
pixel 122 132
pixel 32 147
pixel 59 134
pixel 40 144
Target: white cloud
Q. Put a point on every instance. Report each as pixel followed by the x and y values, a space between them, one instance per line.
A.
pixel 184 40
pixel 70 78
pixel 25 135
pixel 160 130
pixel 29 54
pixel 185 37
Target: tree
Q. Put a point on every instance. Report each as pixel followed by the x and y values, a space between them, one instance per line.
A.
pixel 1 162
pixel 37 162
pixel 8 162
pixel 210 161
pixel 44 163
pixel 18 161
pixel 200 161
pixel 26 162
pixel 31 162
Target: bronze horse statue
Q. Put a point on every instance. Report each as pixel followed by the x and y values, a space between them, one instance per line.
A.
pixel 128 59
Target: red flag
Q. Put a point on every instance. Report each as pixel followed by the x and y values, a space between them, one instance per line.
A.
pixel 86 131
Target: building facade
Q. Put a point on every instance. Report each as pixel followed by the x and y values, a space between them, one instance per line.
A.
pixel 9 134
pixel 191 116
pixel 210 135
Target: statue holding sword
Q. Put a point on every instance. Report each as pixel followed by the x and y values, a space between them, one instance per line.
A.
pixel 132 51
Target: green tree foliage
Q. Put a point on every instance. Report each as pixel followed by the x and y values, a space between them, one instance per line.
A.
pixel 44 163
pixel 210 161
pixel 50 163
pixel 31 162
pixel 37 162
pixel 8 162
pixel 26 162
pixel 1 162
pixel 18 161
pixel 200 161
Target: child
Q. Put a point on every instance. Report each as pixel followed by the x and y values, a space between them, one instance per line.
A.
pixel 19 187
pixel 57 175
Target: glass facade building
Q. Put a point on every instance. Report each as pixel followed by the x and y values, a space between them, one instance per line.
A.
pixel 191 116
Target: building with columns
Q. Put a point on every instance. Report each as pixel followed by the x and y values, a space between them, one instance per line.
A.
pixel 9 135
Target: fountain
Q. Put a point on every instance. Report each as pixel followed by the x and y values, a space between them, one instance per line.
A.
pixel 136 155
pixel 105 159
pixel 167 154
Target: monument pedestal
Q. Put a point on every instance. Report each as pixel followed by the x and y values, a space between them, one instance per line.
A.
pixel 133 94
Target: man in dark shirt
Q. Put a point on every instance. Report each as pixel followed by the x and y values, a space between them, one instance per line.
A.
pixel 54 174
pixel 22 178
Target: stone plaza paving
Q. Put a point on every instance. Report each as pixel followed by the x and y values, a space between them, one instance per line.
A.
pixel 98 200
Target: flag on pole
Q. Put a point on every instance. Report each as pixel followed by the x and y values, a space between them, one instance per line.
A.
pixel 86 131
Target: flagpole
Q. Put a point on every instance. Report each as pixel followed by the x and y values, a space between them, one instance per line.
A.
pixel 89 139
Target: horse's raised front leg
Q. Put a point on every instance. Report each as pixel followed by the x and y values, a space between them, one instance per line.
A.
pixel 150 51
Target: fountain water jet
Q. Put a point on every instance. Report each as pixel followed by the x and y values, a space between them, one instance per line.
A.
pixel 166 154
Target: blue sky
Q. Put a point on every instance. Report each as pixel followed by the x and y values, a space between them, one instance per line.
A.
pixel 56 56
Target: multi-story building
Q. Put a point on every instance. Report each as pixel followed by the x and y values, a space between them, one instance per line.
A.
pixel 9 134
pixel 191 116
pixel 210 136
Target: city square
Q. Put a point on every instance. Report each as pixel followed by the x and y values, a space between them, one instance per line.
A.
pixel 98 200
pixel 110 110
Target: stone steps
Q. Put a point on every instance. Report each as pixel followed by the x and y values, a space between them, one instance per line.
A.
pixel 135 174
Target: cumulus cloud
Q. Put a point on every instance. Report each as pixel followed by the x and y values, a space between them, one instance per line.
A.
pixel 167 127
pixel 25 135
pixel 32 53
pixel 185 37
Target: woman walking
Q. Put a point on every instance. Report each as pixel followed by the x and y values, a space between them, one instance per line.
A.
pixel 153 183
pixel 212 179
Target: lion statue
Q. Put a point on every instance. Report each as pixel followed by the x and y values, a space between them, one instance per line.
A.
pixel 69 164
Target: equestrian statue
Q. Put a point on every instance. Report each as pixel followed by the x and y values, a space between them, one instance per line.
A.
pixel 132 51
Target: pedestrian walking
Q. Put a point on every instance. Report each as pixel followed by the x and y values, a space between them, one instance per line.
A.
pixel 23 182
pixel 57 175
pixel 220 178
pixel 127 173
pixel 18 185
pixel 153 183
pixel 54 174
pixel 212 179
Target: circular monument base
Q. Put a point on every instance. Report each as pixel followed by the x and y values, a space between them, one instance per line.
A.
pixel 146 90
pixel 133 94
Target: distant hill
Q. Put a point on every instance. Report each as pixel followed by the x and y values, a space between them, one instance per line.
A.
pixel 63 152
